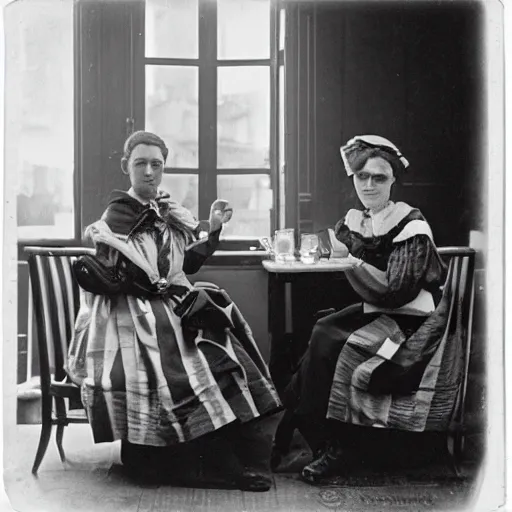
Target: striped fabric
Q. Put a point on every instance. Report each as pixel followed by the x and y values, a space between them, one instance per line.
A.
pixel 148 378
pixel 380 345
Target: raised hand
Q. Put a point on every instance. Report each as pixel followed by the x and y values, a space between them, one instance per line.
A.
pixel 220 213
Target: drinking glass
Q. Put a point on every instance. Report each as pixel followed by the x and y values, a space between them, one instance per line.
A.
pixel 284 245
pixel 308 248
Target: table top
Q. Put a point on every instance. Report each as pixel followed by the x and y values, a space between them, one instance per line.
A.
pixel 331 265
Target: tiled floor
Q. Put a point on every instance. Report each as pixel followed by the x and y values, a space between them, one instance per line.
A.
pixel 87 483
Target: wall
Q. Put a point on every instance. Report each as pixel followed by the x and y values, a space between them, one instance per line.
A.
pixel 410 71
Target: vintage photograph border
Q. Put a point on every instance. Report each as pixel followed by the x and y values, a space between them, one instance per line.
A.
pixel 493 478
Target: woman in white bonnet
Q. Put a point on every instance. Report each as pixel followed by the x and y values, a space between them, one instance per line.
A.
pixel 397 272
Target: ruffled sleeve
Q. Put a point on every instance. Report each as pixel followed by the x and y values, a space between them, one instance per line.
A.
pixel 414 264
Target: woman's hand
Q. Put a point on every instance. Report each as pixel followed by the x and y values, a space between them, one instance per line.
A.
pixel 163 198
pixel 220 213
pixel 162 194
pixel 356 262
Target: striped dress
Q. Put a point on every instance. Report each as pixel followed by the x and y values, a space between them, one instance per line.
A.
pixel 145 376
pixel 376 363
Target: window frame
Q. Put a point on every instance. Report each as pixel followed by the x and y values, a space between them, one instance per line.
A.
pixel 135 120
pixel 208 64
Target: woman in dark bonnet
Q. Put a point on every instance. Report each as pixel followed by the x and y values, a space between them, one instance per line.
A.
pixel 169 369
pixel 397 272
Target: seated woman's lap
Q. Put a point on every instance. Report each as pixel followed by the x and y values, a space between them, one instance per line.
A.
pixel 309 388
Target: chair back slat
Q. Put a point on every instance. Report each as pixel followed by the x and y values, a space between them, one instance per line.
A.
pixel 63 266
pixel 55 295
pixel 451 362
pixel 43 323
pixel 455 352
pixel 57 316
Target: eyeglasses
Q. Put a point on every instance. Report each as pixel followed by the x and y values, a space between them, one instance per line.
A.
pixel 378 179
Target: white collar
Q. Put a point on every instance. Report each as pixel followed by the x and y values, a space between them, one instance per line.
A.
pixel 382 212
pixel 379 223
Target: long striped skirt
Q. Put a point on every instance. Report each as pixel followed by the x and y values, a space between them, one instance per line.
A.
pixel 310 392
pixel 147 379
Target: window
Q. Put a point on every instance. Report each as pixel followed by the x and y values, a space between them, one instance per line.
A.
pixel 213 89
pixel 39 86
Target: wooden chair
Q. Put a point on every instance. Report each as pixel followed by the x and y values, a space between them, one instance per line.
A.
pixel 56 301
pixel 451 358
pixel 462 261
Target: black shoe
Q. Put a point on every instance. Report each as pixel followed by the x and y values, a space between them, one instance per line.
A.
pixel 140 476
pixel 327 464
pixel 255 482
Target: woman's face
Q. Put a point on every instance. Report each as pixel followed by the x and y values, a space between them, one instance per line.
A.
pixel 145 167
pixel 373 183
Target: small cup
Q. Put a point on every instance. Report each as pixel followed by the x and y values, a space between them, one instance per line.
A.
pixel 308 248
pixel 284 245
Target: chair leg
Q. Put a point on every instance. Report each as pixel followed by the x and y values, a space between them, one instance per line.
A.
pixel 282 439
pixel 61 423
pixel 46 430
pixel 458 445
pixel 454 454
pixel 60 435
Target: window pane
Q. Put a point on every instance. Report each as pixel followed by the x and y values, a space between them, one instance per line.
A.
pixel 183 188
pixel 243 124
pixel 251 199
pixel 172 111
pixel 243 29
pixel 282 24
pixel 39 89
pixel 172 29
